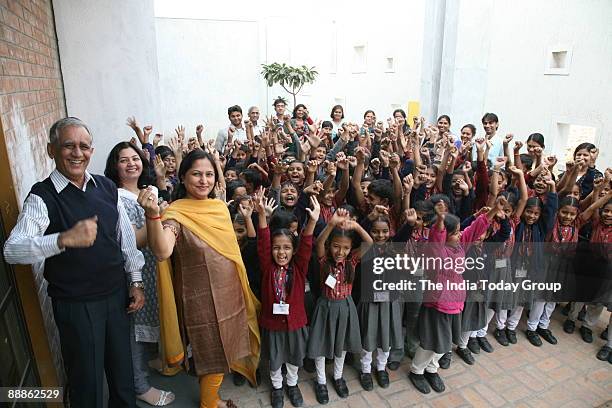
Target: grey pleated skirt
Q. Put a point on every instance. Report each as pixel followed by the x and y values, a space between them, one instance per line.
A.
pixel 438 331
pixel 474 316
pixel 285 347
pixel 501 299
pixel 381 325
pixel 334 329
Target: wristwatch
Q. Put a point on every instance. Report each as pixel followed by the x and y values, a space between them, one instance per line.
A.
pixel 138 284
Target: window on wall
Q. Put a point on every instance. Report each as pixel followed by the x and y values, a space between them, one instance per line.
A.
pixel 359 59
pixel 558 60
pixel 389 64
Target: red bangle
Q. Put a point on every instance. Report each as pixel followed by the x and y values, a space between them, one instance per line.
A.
pixel 153 218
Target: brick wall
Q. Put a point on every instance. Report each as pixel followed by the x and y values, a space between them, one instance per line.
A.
pixel 31 99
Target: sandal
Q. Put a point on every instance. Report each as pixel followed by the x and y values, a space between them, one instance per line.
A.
pixel 165 398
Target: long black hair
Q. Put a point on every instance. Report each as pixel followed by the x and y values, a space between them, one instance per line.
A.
pixel 349 271
pixel 186 164
pixel 112 161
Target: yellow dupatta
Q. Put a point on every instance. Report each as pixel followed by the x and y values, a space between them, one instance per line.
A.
pixel 210 221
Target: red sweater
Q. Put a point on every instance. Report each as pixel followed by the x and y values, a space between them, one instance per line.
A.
pixel 296 318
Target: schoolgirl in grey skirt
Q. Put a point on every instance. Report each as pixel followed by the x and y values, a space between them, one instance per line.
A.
pixel 380 316
pixel 476 314
pixel 334 329
pixel 440 318
pixel 283 317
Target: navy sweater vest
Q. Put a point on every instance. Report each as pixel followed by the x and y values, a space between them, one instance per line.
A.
pixel 83 273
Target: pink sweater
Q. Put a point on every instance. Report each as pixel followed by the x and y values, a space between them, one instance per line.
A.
pixel 446 300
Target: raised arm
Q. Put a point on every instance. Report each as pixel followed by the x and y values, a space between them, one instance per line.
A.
pixel 600 202
pixel 357 175
pixel 339 216
pixel 522 188
pixel 342 165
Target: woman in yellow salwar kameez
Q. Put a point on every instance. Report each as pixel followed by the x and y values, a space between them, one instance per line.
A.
pixel 204 295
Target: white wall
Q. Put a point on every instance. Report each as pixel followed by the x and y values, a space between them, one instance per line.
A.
pixel 205 66
pixel 499 64
pixel 322 35
pixel 109 67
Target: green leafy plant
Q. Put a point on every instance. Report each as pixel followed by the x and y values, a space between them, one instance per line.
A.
pixel 292 79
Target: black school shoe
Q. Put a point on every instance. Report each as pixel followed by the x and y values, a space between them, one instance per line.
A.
pixel 473 345
pixel 604 334
pixel 604 353
pixel 277 398
pixel 511 335
pixel 393 365
pixel 365 379
pixel 382 378
pixel 445 360
pixel 569 326
pixel 435 381
pixel 586 334
pixel 500 336
pixel 420 383
pixel 547 335
pixel 533 338
pixel 466 355
pixel 321 393
pixel 484 344
pixel 341 388
pixel 295 395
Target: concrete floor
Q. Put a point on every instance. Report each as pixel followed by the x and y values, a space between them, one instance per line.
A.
pixel 521 375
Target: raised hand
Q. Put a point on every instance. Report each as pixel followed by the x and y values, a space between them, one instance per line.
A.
pixel 516 171
pixel 384 157
pixel 180 132
pixel 408 183
pixel 148 201
pixel 316 209
pixel 81 235
pixel 467 166
pixel 315 188
pixel 280 167
pixel 270 206
pixel 500 162
pixel 480 144
pixel 550 161
pixel 360 154
pixel 342 161
pixel 157 138
pixel 146 131
pixel 508 139
pixel 131 122
pixel 410 215
pixel 339 216
pixel 517 145
pixel 259 202
pixel 537 151
pixel 463 186
pixel 245 210
pixel 394 161
pixel 220 192
pixel 352 161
